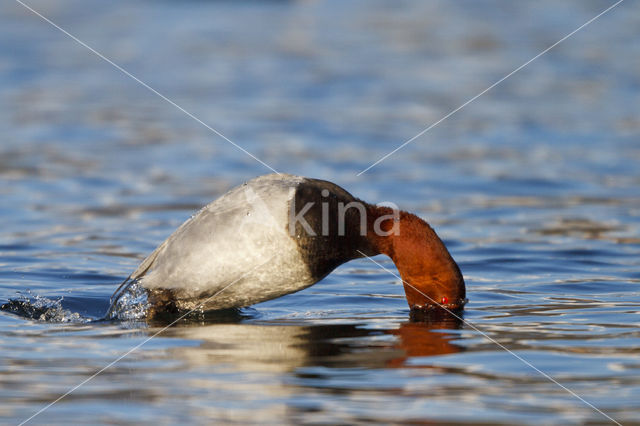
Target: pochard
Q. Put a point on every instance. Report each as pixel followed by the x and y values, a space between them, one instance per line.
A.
pixel 278 234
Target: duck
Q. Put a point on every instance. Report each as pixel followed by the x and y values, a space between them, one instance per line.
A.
pixel 280 233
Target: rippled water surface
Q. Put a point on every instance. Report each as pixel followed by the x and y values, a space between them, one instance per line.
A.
pixel 533 186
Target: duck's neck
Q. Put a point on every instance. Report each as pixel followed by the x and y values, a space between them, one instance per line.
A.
pixel 383 225
pixel 429 273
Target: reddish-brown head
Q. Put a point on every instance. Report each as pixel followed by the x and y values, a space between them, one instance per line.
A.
pixel 430 275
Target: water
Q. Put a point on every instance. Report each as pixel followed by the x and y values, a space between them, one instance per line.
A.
pixel 534 188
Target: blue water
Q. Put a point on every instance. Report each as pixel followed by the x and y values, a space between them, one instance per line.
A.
pixel 533 187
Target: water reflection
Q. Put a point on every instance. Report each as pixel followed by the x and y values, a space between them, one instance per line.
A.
pixel 286 347
pixel 418 339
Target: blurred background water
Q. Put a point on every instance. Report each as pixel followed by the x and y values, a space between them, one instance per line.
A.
pixel 534 188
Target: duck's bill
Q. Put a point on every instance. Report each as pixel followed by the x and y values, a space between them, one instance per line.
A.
pixel 439 316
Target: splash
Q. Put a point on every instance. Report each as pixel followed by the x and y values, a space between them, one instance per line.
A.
pixel 42 309
pixel 131 303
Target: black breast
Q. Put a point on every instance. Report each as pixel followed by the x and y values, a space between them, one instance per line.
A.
pixel 331 230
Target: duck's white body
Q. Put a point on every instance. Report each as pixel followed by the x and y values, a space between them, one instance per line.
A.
pixel 240 241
